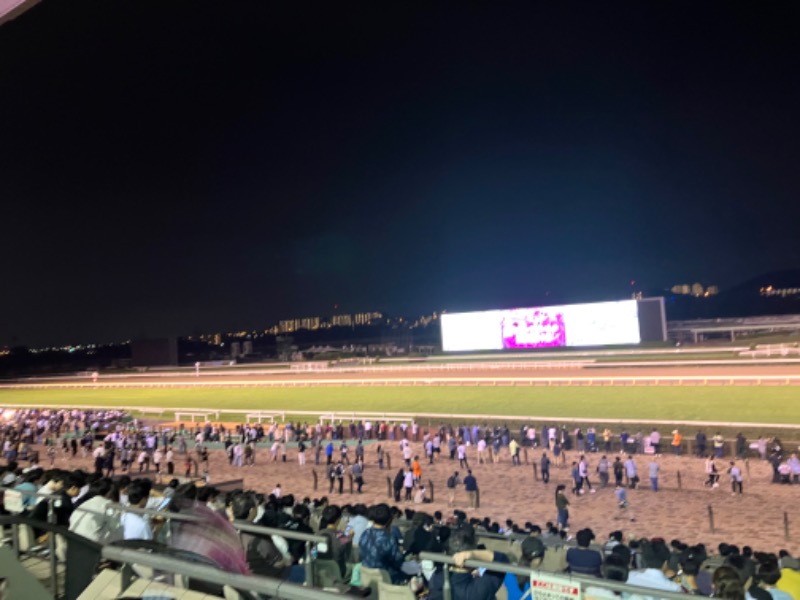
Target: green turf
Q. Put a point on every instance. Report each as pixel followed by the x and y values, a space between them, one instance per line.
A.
pixel 778 404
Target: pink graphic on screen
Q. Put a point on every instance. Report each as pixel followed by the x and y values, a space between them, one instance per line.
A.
pixel 533 328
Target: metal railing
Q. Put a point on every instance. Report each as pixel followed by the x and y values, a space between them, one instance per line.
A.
pixel 165 533
pixel 566 579
pixel 268 586
pixel 49 525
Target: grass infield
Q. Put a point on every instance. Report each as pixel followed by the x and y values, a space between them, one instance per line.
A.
pixel 729 404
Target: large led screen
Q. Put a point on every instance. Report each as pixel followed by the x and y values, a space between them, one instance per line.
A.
pixel 596 324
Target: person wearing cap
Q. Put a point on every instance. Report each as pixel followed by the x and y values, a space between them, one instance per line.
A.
pixel 532 556
pixel 677 440
pixel 584 560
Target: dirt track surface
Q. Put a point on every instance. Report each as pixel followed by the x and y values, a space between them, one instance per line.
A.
pixel 755 519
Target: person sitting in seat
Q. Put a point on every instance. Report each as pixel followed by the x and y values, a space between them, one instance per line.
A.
pixel 339 544
pixel 379 548
pixel 466 583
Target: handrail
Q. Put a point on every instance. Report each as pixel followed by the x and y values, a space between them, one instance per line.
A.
pixel 584 580
pixel 179 516
pixel 73 579
pixel 307 539
pixel 255 583
pixel 287 533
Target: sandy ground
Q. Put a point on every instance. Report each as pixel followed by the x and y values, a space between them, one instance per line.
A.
pixel 755 519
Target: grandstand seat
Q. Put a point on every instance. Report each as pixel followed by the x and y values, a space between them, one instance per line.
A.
pixel 327 573
pixel 504 546
pixel 555 559
pixel 107 585
pixel 502 593
pixel 314 521
pixel 13 501
pixel 144 588
pixel 372 577
pixel 27 539
pixel 387 591
pixel 180 581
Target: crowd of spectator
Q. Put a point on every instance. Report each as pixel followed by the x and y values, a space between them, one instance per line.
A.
pixel 389 538
pixel 380 536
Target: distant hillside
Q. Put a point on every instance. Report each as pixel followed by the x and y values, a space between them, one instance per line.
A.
pixel 789 278
pixel 743 300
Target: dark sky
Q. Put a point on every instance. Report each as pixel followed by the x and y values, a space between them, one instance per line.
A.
pixel 192 166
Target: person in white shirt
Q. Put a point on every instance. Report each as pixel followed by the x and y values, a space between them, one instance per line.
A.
pixel 736 479
pixel 170 459
pixel 143 460
pixel 481 450
pixel 461 451
pixel 407 454
pixel 158 456
pixel 655 556
pixel 357 524
pixel 91 520
pixel 135 526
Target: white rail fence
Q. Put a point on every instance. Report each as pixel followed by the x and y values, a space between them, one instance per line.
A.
pixel 399 417
pixel 576 381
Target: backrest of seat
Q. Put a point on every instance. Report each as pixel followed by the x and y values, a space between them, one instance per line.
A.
pixel 372 577
pixel 326 573
pixel 502 593
pixel 27 539
pixel 13 501
pixel 555 559
pixel 387 591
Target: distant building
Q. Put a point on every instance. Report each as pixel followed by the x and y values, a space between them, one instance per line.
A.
pixel 786 292
pixel 681 288
pixel 154 353
pixel 367 318
pixel 309 323
pixel 696 290
pixel 289 325
pixel 342 320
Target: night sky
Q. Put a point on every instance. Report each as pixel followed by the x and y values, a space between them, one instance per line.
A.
pixel 194 166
